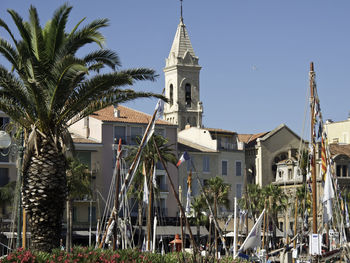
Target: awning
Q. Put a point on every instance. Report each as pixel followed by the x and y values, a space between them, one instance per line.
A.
pixel 173 230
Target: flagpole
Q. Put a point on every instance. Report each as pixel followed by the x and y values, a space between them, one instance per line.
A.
pixel 195 248
pixel 235 230
pixel 181 221
pixel 313 168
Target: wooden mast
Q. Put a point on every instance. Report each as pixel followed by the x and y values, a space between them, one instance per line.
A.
pixel 116 200
pixel 313 158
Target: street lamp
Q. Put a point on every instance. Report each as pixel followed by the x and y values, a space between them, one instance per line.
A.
pixel 6 143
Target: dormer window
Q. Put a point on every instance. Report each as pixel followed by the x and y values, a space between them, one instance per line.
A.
pixel 171 95
pixel 188 94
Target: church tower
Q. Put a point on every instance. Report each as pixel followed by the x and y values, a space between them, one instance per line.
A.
pixel 182 82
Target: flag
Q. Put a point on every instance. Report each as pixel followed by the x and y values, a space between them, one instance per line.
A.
pixel 254 238
pixel 228 221
pixel 109 232
pixel 160 109
pixel 323 159
pixel 188 203
pixel 145 187
pixel 347 222
pixel 154 234
pixel 154 177
pixel 184 157
pixel 143 248
pixel 328 195
pixel 161 241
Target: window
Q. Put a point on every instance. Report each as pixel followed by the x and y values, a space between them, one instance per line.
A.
pixel 74 214
pixel 136 135
pixel 238 190
pixel 119 133
pixel 84 157
pixel 189 164
pixel 290 175
pixel 159 131
pixel 5 158
pixel 223 167
pixel 93 214
pixel 4 176
pixel 171 95
pixel 206 167
pixel 238 168
pixel 188 95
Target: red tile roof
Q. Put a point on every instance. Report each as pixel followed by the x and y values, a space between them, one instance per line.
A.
pixel 126 115
pixel 246 138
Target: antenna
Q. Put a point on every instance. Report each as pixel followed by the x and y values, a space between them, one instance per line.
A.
pixel 181 17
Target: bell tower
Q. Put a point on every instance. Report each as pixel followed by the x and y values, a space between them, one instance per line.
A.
pixel 182 82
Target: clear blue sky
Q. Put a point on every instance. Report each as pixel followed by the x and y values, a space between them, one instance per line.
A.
pixel 254 54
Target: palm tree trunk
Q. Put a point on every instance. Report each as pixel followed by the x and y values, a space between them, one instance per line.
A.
pixel 44 191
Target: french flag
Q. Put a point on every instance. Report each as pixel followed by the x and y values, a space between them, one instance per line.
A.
pixel 184 157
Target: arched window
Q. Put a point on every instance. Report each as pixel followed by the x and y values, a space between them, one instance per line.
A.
pixel 171 93
pixel 188 95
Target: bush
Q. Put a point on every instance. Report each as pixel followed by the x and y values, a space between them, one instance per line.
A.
pixel 92 255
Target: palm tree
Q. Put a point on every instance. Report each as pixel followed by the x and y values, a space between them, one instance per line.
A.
pixel 217 192
pixel 253 202
pixel 198 217
pixel 79 185
pixel 150 158
pixel 47 89
pixel 277 203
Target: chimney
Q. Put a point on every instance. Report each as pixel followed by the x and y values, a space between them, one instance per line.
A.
pixel 116 111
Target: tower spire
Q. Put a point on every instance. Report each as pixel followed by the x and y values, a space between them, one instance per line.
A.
pixel 181 17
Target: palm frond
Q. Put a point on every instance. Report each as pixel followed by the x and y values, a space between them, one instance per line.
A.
pixel 37 42
pixel 105 56
pixel 5 26
pixel 141 74
pixel 9 53
pixel 21 28
pixel 55 30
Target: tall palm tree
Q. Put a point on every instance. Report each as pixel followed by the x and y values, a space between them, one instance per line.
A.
pixel 198 217
pixel 47 89
pixel 217 192
pixel 253 201
pixel 277 202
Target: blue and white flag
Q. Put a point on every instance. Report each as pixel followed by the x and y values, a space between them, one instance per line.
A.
pixel 145 187
pixel 160 109
pixel 347 221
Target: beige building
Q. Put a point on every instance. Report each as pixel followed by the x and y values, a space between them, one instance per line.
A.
pixel 264 151
pixel 338 132
pixel 213 152
pixel 103 129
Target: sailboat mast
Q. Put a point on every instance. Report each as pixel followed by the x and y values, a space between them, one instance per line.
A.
pixel 116 200
pixel 313 158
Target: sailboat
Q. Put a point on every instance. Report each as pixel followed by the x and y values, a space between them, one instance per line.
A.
pixel 329 216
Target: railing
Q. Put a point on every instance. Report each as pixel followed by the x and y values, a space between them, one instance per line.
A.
pixel 4 249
